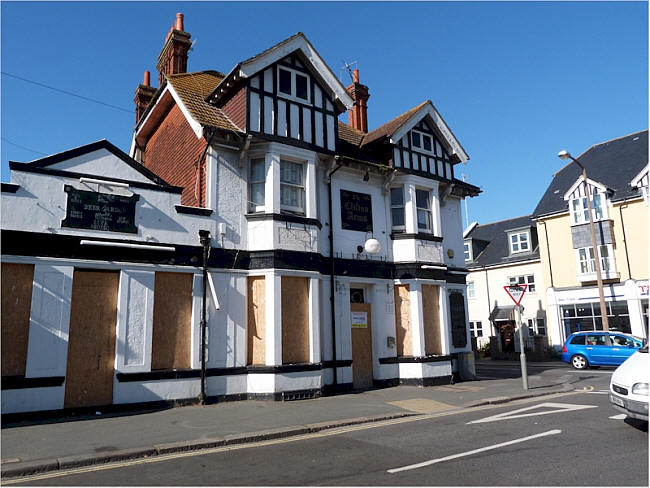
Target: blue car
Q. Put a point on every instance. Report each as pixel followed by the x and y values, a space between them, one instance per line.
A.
pixel 599 348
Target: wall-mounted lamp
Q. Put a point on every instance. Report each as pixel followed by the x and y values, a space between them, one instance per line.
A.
pixel 372 246
pixel 366 177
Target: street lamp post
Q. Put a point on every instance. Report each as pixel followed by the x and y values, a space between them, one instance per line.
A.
pixel 564 155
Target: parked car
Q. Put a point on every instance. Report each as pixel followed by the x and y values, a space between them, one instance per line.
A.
pixel 599 348
pixel 628 388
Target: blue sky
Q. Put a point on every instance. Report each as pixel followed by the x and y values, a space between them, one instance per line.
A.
pixel 515 81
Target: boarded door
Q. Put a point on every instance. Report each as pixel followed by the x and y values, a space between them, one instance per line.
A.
pixel 256 320
pixel 361 335
pixel 91 345
pixel 403 321
pixel 17 280
pixel 172 321
pixel 431 315
pixel 295 320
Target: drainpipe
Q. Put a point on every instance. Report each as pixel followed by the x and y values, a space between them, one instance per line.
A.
pixel 548 251
pixel 204 238
pixel 332 287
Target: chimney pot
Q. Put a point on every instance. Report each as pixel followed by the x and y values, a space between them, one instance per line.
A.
pixel 358 116
pixel 147 78
pixel 179 22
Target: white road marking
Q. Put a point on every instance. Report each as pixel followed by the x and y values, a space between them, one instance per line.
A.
pixel 605 392
pixel 618 417
pixel 475 451
pixel 515 414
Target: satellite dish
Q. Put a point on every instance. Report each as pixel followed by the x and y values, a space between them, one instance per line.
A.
pixel 372 246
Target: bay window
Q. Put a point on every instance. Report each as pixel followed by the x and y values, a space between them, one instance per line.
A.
pixel 292 187
pixel 397 208
pixel 256 185
pixel 587 262
pixel 580 210
pixel 423 205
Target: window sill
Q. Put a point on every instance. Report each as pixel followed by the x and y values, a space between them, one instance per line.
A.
pixel 423 236
pixel 608 275
pixel 296 219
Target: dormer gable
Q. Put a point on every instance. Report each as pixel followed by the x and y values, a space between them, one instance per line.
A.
pixel 578 204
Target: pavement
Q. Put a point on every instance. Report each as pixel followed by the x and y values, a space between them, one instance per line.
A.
pixel 33 446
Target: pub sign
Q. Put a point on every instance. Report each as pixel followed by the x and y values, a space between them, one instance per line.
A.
pixel 356 211
pixel 100 211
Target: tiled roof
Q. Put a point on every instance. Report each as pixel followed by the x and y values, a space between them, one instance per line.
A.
pixel 193 89
pixel 612 163
pixel 390 127
pixel 349 134
pixel 494 248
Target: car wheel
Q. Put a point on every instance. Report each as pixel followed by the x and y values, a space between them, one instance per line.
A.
pixel 579 362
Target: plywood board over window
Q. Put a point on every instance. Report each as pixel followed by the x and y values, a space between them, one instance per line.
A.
pixel 91 344
pixel 172 321
pixel 17 282
pixel 431 316
pixel 295 320
pixel 256 320
pixel 403 320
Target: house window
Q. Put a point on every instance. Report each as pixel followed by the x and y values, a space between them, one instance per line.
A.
pixel 580 209
pixel 476 328
pixel 292 187
pixel 523 280
pixel 257 182
pixel 541 327
pixel 397 207
pixel 587 263
pixel 471 293
pixel 293 84
pixel 423 204
pixel 421 141
pixel 467 250
pixel 519 242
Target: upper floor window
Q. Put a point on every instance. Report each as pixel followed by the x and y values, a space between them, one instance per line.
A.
pixel 523 280
pixel 292 187
pixel 519 242
pixel 423 204
pixel 587 261
pixel 467 251
pixel 421 141
pixel 397 208
pixel 580 209
pixel 256 185
pixel 471 292
pixel 293 84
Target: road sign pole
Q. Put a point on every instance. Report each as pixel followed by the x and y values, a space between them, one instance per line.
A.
pixel 522 350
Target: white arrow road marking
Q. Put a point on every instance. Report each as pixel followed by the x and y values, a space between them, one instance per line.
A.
pixel 475 451
pixel 618 417
pixel 515 414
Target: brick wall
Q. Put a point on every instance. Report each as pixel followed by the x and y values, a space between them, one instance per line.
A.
pixel 235 108
pixel 171 153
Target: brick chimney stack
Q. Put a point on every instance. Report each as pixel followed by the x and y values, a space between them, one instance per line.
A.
pixel 143 95
pixel 359 113
pixel 173 57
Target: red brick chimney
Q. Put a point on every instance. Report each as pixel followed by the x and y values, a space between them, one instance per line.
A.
pixel 173 57
pixel 143 95
pixel 359 113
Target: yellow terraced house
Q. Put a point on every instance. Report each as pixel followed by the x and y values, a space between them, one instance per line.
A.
pixel 617 182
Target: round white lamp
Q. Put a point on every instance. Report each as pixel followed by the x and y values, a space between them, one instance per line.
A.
pixel 372 246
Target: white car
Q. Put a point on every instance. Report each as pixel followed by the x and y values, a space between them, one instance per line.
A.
pixel 628 388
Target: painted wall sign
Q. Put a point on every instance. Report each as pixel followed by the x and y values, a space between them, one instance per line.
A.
pixel 359 320
pixel 100 211
pixel 356 211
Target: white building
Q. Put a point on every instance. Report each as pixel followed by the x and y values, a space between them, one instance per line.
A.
pixel 335 253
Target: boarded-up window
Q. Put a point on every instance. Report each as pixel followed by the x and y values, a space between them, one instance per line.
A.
pixel 256 320
pixel 431 316
pixel 172 321
pixel 17 280
pixel 403 321
pixel 295 320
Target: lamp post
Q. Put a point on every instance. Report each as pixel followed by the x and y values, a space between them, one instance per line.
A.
pixel 564 155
